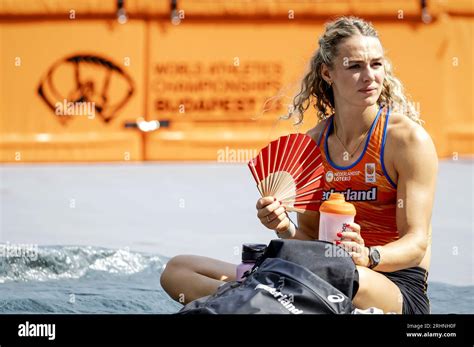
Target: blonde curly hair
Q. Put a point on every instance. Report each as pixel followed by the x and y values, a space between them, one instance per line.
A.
pixel 315 89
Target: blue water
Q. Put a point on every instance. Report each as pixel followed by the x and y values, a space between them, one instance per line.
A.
pixel 72 279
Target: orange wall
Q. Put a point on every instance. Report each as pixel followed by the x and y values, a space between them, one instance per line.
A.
pixel 31 130
pixel 256 46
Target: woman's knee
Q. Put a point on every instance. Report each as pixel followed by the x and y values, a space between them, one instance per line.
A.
pixel 180 261
pixel 173 267
pixel 192 276
pixel 378 291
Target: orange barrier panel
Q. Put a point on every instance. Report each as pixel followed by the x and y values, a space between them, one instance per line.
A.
pixel 217 79
pixel 45 66
pixel 193 8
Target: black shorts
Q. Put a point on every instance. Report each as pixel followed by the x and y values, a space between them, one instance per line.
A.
pixel 413 286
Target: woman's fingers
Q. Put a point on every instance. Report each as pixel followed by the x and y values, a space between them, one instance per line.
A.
pixel 262 202
pixel 350 246
pixel 351 236
pixel 279 224
pixel 279 212
pixel 352 242
pixel 272 214
pixel 352 227
pixel 267 210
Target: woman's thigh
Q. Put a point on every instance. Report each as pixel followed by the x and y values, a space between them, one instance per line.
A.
pixel 209 267
pixel 188 277
pixel 376 290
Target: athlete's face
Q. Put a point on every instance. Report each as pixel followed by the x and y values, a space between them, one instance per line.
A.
pixel 358 72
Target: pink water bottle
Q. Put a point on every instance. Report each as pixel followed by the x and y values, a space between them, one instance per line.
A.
pixel 334 212
pixel 250 253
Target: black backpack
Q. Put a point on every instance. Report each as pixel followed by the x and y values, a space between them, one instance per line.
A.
pixel 291 277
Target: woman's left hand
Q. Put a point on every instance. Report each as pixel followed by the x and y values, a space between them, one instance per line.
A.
pixel 352 242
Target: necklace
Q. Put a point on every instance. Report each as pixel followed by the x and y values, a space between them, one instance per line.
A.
pixel 351 154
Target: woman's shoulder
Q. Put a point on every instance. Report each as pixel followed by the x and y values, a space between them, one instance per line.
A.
pixel 316 131
pixel 406 138
pixel 401 130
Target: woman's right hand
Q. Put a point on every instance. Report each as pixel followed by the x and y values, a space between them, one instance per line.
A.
pixel 272 214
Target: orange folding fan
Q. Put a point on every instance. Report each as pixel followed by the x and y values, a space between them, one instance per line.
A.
pixel 291 170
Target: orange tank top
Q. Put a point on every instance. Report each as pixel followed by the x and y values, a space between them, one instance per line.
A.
pixel 365 183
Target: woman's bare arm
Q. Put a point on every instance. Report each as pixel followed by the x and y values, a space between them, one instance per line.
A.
pixel 308 226
pixel 417 166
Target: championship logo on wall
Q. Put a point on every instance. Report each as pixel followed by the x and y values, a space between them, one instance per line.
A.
pixel 85 85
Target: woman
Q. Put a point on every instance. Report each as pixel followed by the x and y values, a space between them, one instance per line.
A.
pixel 371 141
